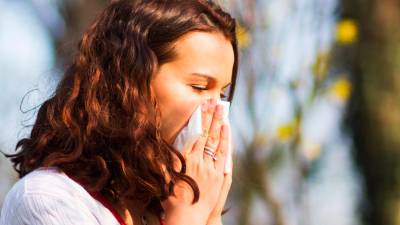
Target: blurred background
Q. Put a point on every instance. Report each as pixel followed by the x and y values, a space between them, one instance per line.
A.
pixel 316 115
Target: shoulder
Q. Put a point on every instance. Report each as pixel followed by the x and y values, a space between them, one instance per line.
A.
pixel 45 181
pixel 48 196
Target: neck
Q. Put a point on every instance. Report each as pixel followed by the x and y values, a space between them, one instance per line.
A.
pixel 131 213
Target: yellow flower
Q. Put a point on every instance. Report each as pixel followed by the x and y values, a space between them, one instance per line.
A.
pixel 341 89
pixel 285 132
pixel 243 36
pixel 288 130
pixel 346 32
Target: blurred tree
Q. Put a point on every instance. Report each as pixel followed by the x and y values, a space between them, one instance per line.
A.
pixel 77 17
pixel 274 60
pixel 374 115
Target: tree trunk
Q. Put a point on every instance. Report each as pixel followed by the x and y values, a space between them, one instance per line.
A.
pixel 374 112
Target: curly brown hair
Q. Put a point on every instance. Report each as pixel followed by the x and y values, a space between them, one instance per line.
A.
pixel 102 123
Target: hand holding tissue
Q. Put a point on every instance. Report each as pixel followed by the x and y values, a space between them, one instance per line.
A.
pixel 194 129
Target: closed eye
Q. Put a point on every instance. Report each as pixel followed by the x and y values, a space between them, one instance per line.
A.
pixel 203 88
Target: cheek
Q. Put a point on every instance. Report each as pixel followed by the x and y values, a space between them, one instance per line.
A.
pixel 177 102
pixel 180 104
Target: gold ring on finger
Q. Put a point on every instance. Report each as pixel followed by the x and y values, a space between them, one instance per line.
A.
pixel 209 153
pixel 208 148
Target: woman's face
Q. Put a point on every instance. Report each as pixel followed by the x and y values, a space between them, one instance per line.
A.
pixel 201 70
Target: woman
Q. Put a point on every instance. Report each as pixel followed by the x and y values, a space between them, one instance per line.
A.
pixel 101 149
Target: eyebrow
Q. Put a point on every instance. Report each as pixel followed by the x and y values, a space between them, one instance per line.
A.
pixel 209 77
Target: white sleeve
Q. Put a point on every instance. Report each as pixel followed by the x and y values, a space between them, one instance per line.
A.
pixel 45 209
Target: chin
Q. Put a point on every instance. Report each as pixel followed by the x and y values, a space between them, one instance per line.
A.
pixel 170 138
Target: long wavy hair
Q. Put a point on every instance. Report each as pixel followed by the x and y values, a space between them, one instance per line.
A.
pixel 102 123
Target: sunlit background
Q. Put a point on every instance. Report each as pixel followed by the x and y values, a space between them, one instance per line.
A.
pixel 316 115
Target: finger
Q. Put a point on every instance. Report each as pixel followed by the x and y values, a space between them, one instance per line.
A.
pixel 208 159
pixel 198 148
pixel 206 118
pixel 226 186
pixel 214 132
pixel 222 150
pixel 207 110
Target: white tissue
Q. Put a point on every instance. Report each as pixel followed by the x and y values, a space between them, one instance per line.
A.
pixel 193 130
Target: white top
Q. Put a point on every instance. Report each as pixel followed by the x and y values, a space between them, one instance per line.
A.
pixel 50 197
